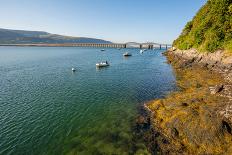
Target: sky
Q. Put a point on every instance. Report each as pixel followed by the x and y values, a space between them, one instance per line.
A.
pixel 119 21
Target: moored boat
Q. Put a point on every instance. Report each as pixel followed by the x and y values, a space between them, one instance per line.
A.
pixel 127 54
pixel 102 64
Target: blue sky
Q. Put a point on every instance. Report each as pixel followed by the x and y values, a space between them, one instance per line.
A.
pixel 115 20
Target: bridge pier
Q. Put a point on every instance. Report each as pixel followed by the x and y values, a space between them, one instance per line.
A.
pixel 150 46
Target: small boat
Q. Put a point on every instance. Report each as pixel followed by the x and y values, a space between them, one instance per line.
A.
pixel 119 48
pixel 102 49
pixel 127 54
pixel 73 69
pixel 102 64
pixel 143 50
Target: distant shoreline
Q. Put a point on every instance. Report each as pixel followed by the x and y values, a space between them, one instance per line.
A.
pixel 56 45
pixel 94 45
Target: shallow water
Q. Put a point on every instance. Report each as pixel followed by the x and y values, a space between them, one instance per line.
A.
pixel 47 109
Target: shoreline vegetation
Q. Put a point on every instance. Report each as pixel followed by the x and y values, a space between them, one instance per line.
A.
pixel 210 29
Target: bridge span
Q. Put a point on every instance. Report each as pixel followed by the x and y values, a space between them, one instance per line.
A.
pixel 126 45
pixel 101 45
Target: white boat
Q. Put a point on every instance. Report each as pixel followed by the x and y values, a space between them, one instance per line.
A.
pixel 102 49
pixel 73 69
pixel 127 54
pixel 143 50
pixel 102 64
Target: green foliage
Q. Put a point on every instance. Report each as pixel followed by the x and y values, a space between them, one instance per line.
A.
pixel 229 46
pixel 210 29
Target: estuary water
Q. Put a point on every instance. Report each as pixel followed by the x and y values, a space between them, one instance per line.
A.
pixel 45 108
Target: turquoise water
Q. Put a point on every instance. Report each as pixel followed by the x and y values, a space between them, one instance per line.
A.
pixel 47 109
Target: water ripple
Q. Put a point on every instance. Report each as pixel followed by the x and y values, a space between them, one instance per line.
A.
pixel 47 109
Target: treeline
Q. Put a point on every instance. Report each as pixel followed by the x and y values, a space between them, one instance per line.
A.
pixel 210 29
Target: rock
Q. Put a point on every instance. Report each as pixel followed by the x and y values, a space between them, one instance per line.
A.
pixel 184 104
pixel 175 132
pixel 165 141
pixel 210 65
pixel 216 56
pixel 141 120
pixel 199 58
pixel 187 63
pixel 227 60
pixel 228 66
pixel 218 60
pixel 191 120
pixel 226 126
pixel 216 89
pixel 173 48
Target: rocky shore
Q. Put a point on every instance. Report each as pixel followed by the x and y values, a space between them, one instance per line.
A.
pixel 219 61
pixel 197 119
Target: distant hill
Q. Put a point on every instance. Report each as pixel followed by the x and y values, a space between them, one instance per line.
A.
pixel 210 29
pixel 8 36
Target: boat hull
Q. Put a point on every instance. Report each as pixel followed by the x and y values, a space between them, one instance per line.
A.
pixel 101 65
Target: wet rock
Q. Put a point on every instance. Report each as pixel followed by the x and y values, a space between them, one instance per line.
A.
pixel 142 123
pixel 165 53
pixel 143 120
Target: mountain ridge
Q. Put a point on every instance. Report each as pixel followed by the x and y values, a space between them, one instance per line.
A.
pixel 10 36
